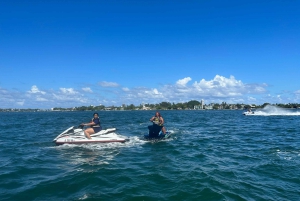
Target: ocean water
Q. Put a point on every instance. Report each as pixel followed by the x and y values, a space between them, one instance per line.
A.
pixel 212 155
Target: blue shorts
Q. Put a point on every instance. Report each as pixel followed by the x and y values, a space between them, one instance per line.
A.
pixel 97 129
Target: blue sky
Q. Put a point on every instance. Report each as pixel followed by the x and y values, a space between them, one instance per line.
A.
pixel 74 53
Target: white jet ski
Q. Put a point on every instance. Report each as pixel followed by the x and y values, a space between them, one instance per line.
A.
pixel 75 135
pixel 248 113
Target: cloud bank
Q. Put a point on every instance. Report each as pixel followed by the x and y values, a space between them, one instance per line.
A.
pixel 217 89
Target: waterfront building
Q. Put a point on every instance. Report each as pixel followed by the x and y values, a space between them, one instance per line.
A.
pixel 199 107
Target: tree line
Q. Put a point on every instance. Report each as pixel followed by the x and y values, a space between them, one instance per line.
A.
pixel 160 106
pixel 179 106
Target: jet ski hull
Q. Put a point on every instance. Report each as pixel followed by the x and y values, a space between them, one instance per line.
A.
pixel 76 136
pixel 71 140
pixel 161 136
pixel 248 113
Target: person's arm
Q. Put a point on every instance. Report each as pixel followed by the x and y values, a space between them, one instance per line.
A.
pixel 162 120
pixel 151 118
pixel 89 124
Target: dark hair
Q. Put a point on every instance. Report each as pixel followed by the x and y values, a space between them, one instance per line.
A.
pixel 158 113
pixel 96 114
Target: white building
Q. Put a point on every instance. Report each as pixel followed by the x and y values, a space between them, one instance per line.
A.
pixel 199 107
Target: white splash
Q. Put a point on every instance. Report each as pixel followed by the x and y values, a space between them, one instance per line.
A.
pixel 270 110
pixel 288 155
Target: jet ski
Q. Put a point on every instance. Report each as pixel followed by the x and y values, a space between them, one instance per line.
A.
pixel 155 133
pixel 160 136
pixel 75 135
pixel 248 113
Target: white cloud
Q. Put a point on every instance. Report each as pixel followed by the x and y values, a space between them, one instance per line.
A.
pixel 35 98
pixel 217 89
pixel 219 82
pixel 183 81
pixel 40 99
pixel 68 91
pixel 251 99
pixel 21 103
pixel 108 84
pixel 2 91
pixel 297 96
pixel 153 92
pixel 35 90
pixel 87 89
pixel 11 98
pixel 125 89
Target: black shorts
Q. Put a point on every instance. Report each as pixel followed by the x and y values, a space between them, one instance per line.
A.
pixel 97 129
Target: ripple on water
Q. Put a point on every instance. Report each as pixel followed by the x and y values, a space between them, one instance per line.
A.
pixel 213 155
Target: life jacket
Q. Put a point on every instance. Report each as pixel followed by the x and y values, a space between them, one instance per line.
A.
pixel 156 121
pixel 97 122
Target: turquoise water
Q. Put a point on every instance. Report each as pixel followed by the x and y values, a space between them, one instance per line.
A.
pixel 212 155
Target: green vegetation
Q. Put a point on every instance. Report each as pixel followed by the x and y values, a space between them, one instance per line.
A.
pixel 289 105
pixel 21 110
pixel 190 105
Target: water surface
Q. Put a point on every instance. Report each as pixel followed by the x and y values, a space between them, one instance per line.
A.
pixel 213 155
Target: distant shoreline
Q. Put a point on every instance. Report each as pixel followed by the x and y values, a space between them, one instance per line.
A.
pixel 190 105
pixel 40 110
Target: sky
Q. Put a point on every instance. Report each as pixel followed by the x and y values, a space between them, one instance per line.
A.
pixel 78 53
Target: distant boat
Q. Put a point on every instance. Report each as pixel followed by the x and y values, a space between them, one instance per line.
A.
pixel 248 113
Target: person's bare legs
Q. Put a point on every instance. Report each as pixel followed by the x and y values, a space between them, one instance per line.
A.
pixel 88 132
pixel 163 130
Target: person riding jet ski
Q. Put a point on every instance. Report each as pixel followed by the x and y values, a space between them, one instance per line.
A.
pixel 158 125
pixel 95 126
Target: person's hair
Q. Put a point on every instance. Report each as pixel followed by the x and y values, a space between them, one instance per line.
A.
pixel 158 113
pixel 96 114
